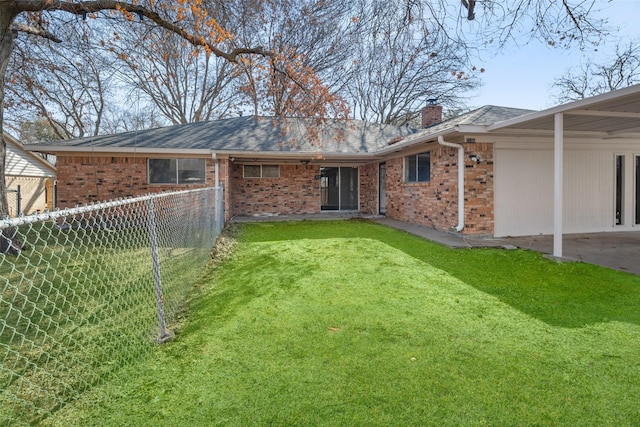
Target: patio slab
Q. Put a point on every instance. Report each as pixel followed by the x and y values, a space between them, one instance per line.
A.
pixel 616 250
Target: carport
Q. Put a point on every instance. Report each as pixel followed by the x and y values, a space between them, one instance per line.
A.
pixel 614 116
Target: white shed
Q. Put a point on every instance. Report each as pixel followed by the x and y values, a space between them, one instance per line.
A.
pixel 30 180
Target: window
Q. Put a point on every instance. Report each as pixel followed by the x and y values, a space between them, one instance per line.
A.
pixel 637 195
pixel 418 168
pixel 176 171
pixel 619 190
pixel 261 171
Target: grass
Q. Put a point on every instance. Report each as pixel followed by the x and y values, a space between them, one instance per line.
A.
pixel 76 306
pixel 352 323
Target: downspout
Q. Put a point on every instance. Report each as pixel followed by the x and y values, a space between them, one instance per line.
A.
pixel 460 148
pixel 216 163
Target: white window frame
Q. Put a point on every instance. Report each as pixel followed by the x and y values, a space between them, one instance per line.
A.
pixel 262 171
pixel 407 167
pixel 177 176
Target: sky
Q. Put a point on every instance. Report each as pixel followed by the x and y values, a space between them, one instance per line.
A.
pixel 522 76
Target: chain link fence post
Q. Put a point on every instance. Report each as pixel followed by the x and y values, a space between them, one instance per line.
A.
pixel 163 335
pixel 76 303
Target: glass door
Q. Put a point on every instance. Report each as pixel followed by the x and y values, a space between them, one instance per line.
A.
pixel 338 188
pixel 382 177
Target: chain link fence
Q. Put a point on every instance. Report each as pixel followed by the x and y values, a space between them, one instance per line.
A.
pixel 86 291
pixel 14 199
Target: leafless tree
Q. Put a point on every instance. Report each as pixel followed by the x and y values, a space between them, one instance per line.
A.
pixel 190 21
pixel 67 84
pixel 590 78
pixel 402 61
pixel 182 83
pixel 294 87
pixel 311 31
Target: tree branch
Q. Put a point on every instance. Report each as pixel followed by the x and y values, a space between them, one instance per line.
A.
pixel 19 27
pixel 470 5
pixel 84 7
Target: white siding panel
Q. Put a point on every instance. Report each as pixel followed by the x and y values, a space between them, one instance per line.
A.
pixel 588 191
pixel 524 191
pixel 20 163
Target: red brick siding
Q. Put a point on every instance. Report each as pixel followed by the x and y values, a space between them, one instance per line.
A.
pixel 478 182
pixel 296 191
pixel 369 189
pixel 85 179
pixel 435 203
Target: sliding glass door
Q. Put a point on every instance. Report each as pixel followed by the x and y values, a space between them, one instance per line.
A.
pixel 339 188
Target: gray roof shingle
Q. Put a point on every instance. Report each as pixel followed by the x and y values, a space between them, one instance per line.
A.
pixel 251 134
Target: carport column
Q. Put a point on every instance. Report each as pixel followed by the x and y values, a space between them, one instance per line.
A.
pixel 558 148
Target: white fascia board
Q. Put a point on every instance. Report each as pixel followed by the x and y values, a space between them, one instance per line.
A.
pixel 417 139
pixel 471 128
pixel 61 149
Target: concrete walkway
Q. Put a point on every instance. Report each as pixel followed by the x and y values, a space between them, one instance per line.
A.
pixel 616 250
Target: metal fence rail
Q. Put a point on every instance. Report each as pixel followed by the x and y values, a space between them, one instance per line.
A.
pixel 92 290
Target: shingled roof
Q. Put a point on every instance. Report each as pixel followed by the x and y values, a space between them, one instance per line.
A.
pixel 252 134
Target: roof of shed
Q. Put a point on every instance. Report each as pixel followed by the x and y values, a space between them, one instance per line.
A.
pixel 20 162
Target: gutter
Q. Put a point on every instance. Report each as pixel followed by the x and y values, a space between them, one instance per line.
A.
pixel 460 148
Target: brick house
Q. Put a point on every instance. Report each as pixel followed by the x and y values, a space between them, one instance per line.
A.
pixel 494 171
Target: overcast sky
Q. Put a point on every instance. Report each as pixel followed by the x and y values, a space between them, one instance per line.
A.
pixel 522 77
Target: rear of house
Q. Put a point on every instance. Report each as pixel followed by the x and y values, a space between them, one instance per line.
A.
pixel 493 171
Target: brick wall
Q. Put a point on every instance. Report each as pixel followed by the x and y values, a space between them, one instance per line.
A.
pixel 296 191
pixel 479 196
pixel 84 179
pixel 369 189
pixel 435 203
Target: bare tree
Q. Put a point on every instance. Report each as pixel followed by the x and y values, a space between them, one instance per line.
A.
pixel 182 83
pixel 402 61
pixel 589 79
pixel 294 86
pixel 67 84
pixel 188 20
pixel 311 32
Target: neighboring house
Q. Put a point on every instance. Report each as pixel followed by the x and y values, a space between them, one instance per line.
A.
pixel 29 178
pixel 494 171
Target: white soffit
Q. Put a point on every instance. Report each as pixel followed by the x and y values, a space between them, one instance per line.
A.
pixel 614 114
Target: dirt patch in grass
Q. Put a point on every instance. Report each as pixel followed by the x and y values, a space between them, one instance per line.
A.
pixel 224 245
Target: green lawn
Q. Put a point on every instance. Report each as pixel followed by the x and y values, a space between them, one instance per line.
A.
pixel 352 323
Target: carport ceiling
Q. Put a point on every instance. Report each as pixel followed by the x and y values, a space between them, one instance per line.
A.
pixel 613 114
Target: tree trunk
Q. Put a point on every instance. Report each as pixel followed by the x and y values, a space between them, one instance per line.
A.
pixel 6 46
pixel 8 238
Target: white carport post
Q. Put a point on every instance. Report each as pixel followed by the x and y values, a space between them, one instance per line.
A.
pixel 558 149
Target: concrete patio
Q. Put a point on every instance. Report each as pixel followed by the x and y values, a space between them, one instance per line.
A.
pixel 616 250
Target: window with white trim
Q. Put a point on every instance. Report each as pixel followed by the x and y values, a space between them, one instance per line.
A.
pixel 417 168
pixel 261 171
pixel 176 171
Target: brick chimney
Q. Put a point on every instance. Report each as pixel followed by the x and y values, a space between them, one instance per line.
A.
pixel 431 114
